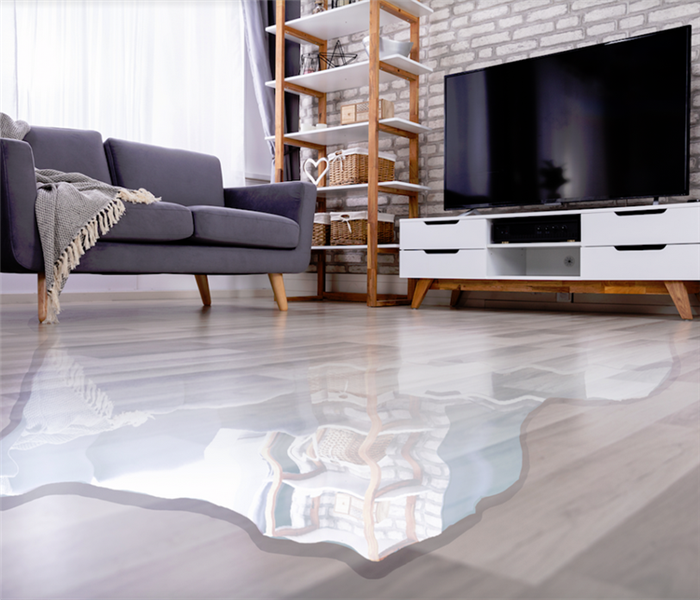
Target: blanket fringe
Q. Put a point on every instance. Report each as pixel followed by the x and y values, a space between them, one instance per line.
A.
pixel 140 196
pixel 70 258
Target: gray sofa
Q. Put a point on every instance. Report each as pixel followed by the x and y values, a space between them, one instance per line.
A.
pixel 198 228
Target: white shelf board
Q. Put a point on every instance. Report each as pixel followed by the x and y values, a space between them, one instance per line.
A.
pixel 353 247
pixel 360 189
pixel 350 19
pixel 350 134
pixel 353 75
pixel 537 245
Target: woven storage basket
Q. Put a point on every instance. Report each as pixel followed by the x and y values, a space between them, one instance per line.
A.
pixel 344 445
pixel 321 235
pixel 350 228
pixel 351 166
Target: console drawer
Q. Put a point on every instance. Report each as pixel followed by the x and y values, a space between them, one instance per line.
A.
pixel 657 225
pixel 671 262
pixel 457 264
pixel 418 234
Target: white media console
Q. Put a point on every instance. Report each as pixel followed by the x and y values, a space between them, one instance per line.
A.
pixel 632 250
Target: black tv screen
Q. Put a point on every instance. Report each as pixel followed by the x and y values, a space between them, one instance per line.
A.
pixel 602 122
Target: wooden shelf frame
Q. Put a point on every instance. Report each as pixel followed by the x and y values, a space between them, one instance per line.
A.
pixel 318 29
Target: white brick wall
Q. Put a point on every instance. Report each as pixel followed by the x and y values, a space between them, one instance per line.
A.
pixel 461 35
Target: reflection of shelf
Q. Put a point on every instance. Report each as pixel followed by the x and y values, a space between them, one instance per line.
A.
pixel 360 189
pixel 357 247
pixel 349 19
pixel 349 134
pixel 354 75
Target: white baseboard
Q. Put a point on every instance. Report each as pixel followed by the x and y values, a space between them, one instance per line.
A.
pixel 136 296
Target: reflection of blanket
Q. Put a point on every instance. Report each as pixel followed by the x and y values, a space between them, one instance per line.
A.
pixel 65 404
pixel 72 211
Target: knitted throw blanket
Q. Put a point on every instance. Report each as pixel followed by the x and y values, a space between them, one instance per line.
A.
pixel 72 212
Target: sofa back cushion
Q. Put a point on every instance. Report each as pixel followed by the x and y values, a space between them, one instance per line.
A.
pixel 69 150
pixel 178 176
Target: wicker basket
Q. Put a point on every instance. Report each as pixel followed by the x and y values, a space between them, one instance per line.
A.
pixel 344 445
pixel 351 166
pixel 350 228
pixel 321 235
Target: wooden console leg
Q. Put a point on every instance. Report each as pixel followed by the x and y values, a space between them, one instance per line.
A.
pixel 679 295
pixel 454 298
pixel 421 290
pixel 277 283
pixel 203 285
pixel 42 297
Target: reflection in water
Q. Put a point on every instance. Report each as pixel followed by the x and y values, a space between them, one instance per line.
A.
pixel 373 459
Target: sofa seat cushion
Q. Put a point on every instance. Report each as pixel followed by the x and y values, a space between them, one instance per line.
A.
pixel 157 222
pixel 237 227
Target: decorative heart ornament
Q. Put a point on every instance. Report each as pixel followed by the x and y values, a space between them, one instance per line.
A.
pixel 316 163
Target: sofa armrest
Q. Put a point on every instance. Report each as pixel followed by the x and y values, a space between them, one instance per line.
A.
pixel 21 246
pixel 295 200
pixel 286 199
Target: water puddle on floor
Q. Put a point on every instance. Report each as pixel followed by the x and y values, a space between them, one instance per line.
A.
pixel 372 459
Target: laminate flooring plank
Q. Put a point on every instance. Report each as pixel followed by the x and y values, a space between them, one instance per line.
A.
pixel 572 509
pixel 571 584
pixel 687 417
pixel 656 552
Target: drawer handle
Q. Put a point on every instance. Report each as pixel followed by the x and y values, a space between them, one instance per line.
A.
pixel 640 247
pixel 450 222
pixel 441 251
pixel 639 213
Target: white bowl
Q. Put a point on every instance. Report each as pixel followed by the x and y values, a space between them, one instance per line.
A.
pixel 387 46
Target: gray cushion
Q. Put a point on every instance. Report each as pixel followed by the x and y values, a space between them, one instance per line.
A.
pixel 179 176
pixel 69 150
pixel 158 222
pixel 237 227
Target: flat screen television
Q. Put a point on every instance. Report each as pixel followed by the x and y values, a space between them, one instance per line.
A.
pixel 602 122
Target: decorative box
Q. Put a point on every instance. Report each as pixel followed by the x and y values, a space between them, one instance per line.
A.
pixel 359 112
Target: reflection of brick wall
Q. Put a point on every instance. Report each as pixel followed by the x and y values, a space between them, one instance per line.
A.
pixel 463 35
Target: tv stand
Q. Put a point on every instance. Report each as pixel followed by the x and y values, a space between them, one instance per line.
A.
pixel 630 250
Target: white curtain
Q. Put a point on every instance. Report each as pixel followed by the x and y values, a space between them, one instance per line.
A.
pixel 169 73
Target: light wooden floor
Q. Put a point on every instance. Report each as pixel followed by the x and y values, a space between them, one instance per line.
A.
pixel 604 502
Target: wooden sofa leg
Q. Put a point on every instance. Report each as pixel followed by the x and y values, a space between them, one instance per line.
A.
pixel 42 297
pixel 278 289
pixel 203 285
